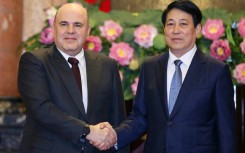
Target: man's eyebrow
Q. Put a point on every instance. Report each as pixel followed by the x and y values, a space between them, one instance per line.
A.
pixel 63 22
pixel 72 23
pixel 77 23
pixel 169 20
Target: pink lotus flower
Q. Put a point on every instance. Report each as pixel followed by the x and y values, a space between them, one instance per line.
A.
pixel 213 29
pixel 47 36
pixel 239 73
pixel 111 30
pixel 220 49
pixel 242 45
pixel 134 85
pixel 93 43
pixel 121 52
pixel 241 27
pixel 144 35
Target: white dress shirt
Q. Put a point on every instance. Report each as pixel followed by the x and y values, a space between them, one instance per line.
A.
pixel 82 67
pixel 186 59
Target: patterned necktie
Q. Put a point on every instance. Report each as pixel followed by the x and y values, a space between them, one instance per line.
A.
pixel 175 85
pixel 75 69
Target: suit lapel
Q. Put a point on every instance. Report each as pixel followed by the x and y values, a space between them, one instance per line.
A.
pixel 69 81
pixel 193 74
pixel 162 77
pixel 93 69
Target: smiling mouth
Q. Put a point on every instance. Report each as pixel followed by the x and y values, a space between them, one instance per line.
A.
pixel 176 39
pixel 70 39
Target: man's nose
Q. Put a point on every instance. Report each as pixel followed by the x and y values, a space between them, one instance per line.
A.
pixel 70 29
pixel 176 29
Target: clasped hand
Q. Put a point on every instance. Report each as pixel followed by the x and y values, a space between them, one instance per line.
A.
pixel 102 136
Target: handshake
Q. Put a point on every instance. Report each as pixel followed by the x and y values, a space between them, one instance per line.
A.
pixel 102 136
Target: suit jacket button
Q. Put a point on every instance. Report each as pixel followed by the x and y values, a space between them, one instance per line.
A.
pixel 169 123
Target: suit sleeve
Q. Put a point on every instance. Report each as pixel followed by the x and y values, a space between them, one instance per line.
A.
pixel 34 89
pixel 225 112
pixel 135 125
pixel 119 110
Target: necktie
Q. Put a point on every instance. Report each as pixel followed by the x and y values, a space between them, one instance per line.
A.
pixel 175 85
pixel 75 69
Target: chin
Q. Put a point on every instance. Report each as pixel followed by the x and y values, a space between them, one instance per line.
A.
pixel 71 47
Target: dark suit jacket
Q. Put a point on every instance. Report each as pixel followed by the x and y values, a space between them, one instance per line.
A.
pixel 203 118
pixel 55 112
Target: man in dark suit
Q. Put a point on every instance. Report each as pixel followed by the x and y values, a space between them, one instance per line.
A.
pixel 62 115
pixel 202 118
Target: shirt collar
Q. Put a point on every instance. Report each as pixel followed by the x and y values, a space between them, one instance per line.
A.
pixel 79 56
pixel 186 58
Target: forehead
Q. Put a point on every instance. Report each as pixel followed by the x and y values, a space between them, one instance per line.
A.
pixel 72 14
pixel 176 14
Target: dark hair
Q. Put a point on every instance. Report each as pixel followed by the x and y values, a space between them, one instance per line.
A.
pixel 186 6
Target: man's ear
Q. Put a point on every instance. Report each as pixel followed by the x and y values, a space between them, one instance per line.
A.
pixel 89 30
pixel 198 29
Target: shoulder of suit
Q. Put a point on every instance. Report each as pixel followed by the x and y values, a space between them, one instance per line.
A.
pixel 212 63
pixel 211 60
pixel 156 58
pixel 39 53
pixel 99 57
